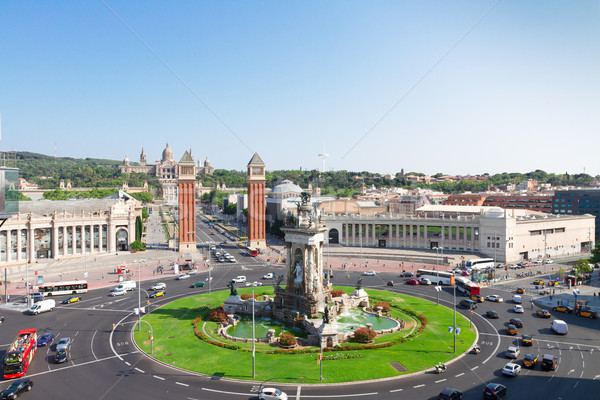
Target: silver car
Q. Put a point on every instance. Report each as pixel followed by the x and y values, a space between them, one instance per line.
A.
pixel 63 344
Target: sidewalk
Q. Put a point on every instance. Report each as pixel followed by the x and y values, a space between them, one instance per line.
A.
pixel 586 293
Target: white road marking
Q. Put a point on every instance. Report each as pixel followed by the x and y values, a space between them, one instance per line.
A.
pixel 85 363
pixel 419 386
pixel 158 377
pixel 399 390
pixel 297 391
pixel 571 371
pixel 139 370
pixel 580 376
pixel 597 377
pixel 474 368
pixel 182 384
pixel 461 374
pixel 92 345
pixel 441 380
pixel 128 363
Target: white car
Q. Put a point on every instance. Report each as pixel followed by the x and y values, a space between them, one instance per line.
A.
pixel 425 281
pixel 369 273
pixel 239 279
pixel 270 275
pixel 518 309
pixel 494 297
pixel 181 277
pixel 549 261
pixel 272 394
pixel 257 283
pixel 192 272
pixel 511 369
pixel 117 292
pixel 63 344
pixel 512 352
pixel 158 286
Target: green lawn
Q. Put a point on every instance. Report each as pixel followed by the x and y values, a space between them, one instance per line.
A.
pixel 175 343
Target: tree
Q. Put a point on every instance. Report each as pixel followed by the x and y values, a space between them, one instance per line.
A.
pixel 582 267
pixel 230 209
pixel 595 258
pixel 144 197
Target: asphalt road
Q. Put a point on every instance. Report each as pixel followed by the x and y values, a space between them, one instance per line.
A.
pixel 106 365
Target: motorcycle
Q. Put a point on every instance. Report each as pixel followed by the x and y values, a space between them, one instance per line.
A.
pixel 390 283
pixel 439 368
pixel 476 349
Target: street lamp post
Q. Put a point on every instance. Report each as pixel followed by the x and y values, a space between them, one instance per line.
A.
pixel 454 330
pixel 437 268
pixel 253 336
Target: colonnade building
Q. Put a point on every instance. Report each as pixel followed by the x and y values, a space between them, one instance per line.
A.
pixel 506 235
pixel 68 229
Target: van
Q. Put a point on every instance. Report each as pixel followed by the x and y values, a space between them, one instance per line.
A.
pixel 468 304
pixel 517 299
pixel 42 306
pixel 559 327
pixel 127 285
pixel 549 362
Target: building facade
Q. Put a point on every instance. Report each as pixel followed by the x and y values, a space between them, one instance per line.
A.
pixel 68 229
pixel 506 235
pixel 578 202
pixel 187 203
pixel 256 203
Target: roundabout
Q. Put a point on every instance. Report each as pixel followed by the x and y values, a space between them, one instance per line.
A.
pixel 185 337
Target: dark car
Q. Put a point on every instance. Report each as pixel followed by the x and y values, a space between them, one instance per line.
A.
pixel 61 356
pixel 45 339
pixel 407 274
pixel 494 391
pixel 16 388
pixel 516 322
pixel 549 362
pixel 492 314
pixel 450 394
pixel 197 284
pixel 412 282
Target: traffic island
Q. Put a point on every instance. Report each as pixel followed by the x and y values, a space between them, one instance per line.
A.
pixel 184 337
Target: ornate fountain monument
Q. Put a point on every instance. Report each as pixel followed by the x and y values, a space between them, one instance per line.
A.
pixel 305 293
pixel 305 302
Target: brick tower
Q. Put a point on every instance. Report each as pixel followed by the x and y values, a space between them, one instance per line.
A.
pixel 186 185
pixel 256 203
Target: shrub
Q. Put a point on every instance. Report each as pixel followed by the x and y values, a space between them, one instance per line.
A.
pixel 138 245
pixel 364 335
pixel 385 307
pixel 287 340
pixel 218 315
pixel 246 296
pixel 337 293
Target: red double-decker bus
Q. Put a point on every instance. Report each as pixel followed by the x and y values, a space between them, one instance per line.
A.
pixel 19 354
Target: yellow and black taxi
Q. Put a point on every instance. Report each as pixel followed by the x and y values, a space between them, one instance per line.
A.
pixel 538 282
pixel 563 308
pixel 520 290
pixel 543 313
pixel 526 340
pixel 530 361
pixel 71 299
pixel 477 298
pixel 552 283
pixel 157 293
pixel 511 329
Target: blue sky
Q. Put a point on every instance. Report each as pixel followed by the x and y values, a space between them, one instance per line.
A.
pixel 429 86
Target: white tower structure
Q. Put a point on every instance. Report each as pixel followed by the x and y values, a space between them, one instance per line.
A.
pixel 323 156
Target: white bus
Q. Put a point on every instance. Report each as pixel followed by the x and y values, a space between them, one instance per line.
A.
pixel 480 263
pixel 434 276
pixel 466 287
pixel 63 288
